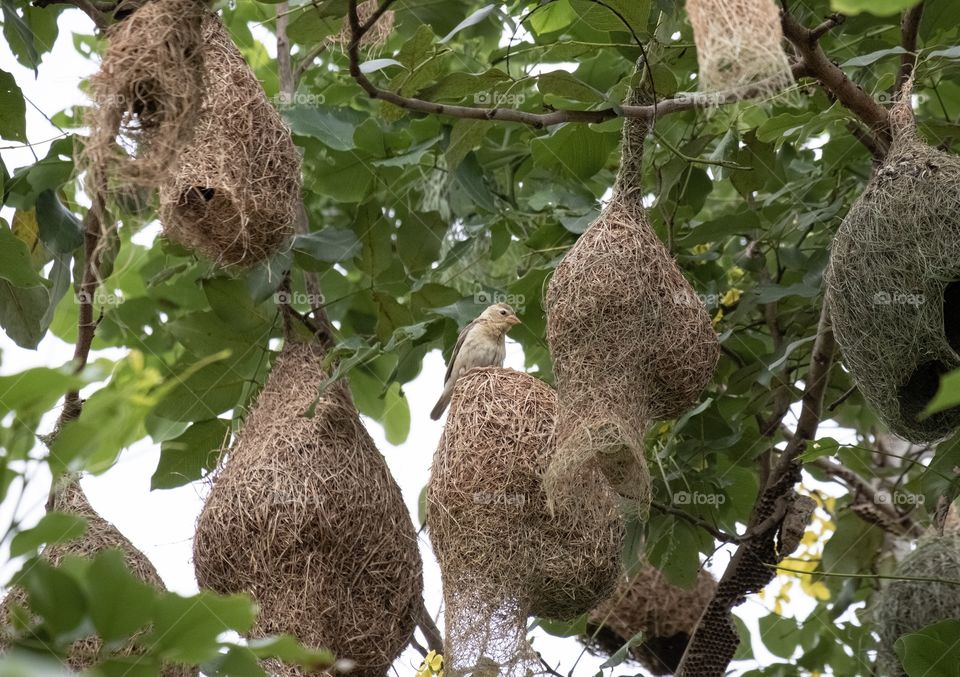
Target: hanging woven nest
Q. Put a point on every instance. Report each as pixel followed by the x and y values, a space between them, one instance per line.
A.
pixel 894 283
pixel 305 517
pixel 908 606
pixel 146 94
pixel 646 602
pixel 503 556
pixel 377 36
pixel 235 193
pixel 630 339
pixel 100 535
pixel 739 46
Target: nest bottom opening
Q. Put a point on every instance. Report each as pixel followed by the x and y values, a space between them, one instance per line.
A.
pixel 915 394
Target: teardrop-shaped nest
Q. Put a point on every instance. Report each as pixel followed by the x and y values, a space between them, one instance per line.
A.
pixel 100 535
pixel 631 342
pixel 147 93
pixel 306 517
pixel 908 606
pixel 893 286
pixel 739 46
pixel 646 602
pixel 503 555
pixel 235 193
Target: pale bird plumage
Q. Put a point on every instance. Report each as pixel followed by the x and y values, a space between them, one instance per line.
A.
pixel 482 343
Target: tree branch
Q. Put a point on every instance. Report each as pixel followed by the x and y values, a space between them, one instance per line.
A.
pixel 772 531
pixel 696 521
pixel 819 66
pixel 306 62
pixel 430 630
pixel 100 18
pixel 909 28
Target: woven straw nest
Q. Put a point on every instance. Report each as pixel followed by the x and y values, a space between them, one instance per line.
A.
pixel 146 94
pixel 648 603
pixel 100 535
pixel 894 283
pixel 631 341
pixel 739 45
pixel 502 555
pixel 374 38
pixel 909 606
pixel 305 517
pixel 236 190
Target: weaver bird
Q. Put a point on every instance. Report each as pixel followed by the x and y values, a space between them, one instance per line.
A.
pixel 481 344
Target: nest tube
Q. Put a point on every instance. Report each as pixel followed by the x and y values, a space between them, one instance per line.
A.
pixel 906 606
pixel 305 517
pixel 893 283
pixel 631 341
pixel 146 94
pixel 646 603
pixel 503 555
pixel 739 46
pixel 235 193
pixel 68 497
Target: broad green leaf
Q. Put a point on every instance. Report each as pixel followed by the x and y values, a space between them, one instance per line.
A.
pixel 120 603
pixel 60 230
pixel 331 245
pixel 54 527
pixel 22 310
pixel 289 650
pixel 931 652
pixel 13 110
pixel 876 7
pixel 332 126
pixel 186 628
pixel 948 394
pixel 186 457
pixel 55 596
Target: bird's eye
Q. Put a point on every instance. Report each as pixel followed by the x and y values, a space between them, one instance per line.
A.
pixel 503 312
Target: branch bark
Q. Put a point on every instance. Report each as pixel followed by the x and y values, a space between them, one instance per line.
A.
pixel 909 28
pixel 772 532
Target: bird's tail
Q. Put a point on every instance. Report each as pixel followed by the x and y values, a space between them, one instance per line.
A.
pixel 441 404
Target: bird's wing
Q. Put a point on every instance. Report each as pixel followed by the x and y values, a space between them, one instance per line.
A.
pixel 456 348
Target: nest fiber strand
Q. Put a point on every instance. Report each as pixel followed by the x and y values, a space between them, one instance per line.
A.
pixel 236 191
pixel 631 341
pixel 146 94
pixel 305 517
pixel 100 535
pixel 739 46
pixel 909 606
pixel 502 555
pixel 894 284
pixel 648 603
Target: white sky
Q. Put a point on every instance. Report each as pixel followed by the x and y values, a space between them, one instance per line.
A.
pixel 161 523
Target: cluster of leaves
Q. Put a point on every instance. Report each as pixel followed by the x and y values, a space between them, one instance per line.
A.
pixel 418 221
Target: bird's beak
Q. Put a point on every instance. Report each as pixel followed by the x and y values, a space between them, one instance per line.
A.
pixel 514 320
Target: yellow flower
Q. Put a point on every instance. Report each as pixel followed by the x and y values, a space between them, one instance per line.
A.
pixel 731 297
pixel 432 665
pixel 735 274
pixel 718 317
pixel 701 248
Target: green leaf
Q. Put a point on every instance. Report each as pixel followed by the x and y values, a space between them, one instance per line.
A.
pixel 574 149
pixel 60 230
pixel 211 390
pixel 22 310
pixel 931 652
pixel 185 629
pixel 16 265
pixel 334 127
pixel 289 650
pixel 13 110
pixel 872 57
pixel 396 415
pixel 120 603
pixel 563 85
pixel 948 394
pixel 54 527
pixel 34 391
pixel 186 457
pixel 331 245
pixel 54 596
pixel 875 7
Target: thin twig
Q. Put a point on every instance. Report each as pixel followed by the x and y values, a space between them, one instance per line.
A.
pixel 307 61
pixel 696 521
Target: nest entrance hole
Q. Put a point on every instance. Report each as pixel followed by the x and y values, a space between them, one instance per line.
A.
pixel 919 389
pixel 951 314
